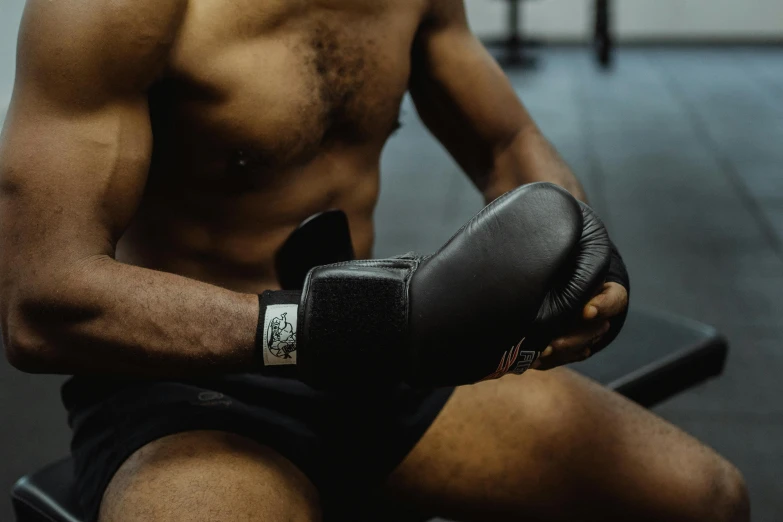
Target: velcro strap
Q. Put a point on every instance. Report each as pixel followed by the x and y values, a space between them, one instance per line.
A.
pixel 353 322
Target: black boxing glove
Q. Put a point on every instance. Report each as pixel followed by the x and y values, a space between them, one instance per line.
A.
pixel 467 313
pixel 540 252
pixel 322 239
pixel 557 314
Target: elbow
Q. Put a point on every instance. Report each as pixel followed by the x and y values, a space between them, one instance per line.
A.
pixel 22 358
pixel 25 338
pixel 23 353
pixel 24 346
pixel 41 319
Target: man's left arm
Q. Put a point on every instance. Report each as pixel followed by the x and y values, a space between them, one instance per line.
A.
pixel 468 103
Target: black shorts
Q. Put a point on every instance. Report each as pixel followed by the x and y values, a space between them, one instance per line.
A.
pixel 347 444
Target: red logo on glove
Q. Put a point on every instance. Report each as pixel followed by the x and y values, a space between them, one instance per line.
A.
pixel 511 362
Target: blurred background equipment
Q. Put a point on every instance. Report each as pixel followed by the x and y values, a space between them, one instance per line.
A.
pixel 516 45
pixel 519 27
pixel 679 148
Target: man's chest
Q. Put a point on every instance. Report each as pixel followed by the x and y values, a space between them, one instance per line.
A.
pixel 282 79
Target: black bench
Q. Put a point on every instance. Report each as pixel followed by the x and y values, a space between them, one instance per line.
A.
pixel 655 357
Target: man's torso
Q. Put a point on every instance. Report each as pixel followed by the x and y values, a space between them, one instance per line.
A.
pixel 268 113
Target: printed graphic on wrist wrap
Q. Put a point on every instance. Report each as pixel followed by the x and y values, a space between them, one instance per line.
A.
pixel 280 335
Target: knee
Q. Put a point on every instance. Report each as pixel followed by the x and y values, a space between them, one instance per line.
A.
pixel 729 496
pixel 193 475
pixel 735 492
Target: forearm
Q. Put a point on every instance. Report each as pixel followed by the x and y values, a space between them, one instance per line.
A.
pixel 528 158
pixel 110 318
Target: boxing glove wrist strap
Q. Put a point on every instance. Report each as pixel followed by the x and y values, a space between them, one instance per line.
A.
pixel 354 321
pixel 351 320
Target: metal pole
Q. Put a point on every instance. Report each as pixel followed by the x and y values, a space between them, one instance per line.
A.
pixel 513 21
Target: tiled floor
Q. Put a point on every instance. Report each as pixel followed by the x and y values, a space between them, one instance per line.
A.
pixel 681 151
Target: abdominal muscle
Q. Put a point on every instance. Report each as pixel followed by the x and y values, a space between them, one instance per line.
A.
pixel 230 239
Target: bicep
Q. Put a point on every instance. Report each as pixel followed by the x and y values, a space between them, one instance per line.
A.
pixel 463 96
pixel 70 180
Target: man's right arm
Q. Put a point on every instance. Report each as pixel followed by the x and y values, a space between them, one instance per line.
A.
pixel 74 157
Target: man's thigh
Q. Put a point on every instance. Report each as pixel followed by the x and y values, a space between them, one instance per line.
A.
pixel 207 476
pixel 557 446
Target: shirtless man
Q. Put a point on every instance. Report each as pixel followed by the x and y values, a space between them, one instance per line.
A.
pixel 155 156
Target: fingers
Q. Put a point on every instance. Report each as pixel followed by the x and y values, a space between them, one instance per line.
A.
pixel 577 346
pixel 571 348
pixel 612 300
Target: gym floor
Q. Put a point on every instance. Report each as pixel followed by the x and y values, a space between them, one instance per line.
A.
pixel 681 152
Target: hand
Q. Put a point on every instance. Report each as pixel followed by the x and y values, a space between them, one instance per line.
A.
pixel 577 345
